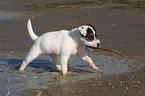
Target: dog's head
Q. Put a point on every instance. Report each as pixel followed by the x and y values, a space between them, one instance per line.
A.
pixel 89 35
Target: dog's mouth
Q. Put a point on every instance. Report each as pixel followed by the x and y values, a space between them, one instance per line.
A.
pixel 94 45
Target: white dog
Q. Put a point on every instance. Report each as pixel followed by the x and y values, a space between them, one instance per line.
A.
pixel 60 45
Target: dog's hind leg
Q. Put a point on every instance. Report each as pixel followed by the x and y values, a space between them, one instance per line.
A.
pixel 55 59
pixel 34 53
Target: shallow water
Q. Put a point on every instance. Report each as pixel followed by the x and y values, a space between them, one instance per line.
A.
pixel 9 15
pixel 38 74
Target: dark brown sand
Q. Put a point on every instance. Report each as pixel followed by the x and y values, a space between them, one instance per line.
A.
pixel 122 30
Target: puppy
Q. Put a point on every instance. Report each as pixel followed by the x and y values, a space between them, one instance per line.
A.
pixel 60 45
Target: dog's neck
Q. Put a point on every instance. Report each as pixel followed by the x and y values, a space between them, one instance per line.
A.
pixel 74 33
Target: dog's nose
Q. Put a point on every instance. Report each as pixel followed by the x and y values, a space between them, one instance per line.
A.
pixel 98 44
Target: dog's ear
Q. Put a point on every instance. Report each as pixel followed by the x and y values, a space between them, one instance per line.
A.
pixel 82 31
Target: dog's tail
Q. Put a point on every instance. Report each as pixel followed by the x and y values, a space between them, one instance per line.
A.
pixel 30 31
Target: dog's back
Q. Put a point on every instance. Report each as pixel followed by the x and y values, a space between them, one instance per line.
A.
pixel 53 42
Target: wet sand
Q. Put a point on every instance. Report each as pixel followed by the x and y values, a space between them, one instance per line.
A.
pixel 123 30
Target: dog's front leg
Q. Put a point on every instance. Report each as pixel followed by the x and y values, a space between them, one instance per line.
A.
pixel 86 58
pixel 90 62
pixel 63 62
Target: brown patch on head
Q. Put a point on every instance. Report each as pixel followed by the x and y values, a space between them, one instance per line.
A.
pixel 91 34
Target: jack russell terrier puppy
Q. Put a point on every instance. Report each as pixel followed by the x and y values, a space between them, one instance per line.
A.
pixel 60 45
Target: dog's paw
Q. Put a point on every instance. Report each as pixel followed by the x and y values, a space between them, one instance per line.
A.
pixel 22 71
pixel 99 70
pixel 67 74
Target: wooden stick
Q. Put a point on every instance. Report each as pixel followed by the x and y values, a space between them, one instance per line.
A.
pixel 105 49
